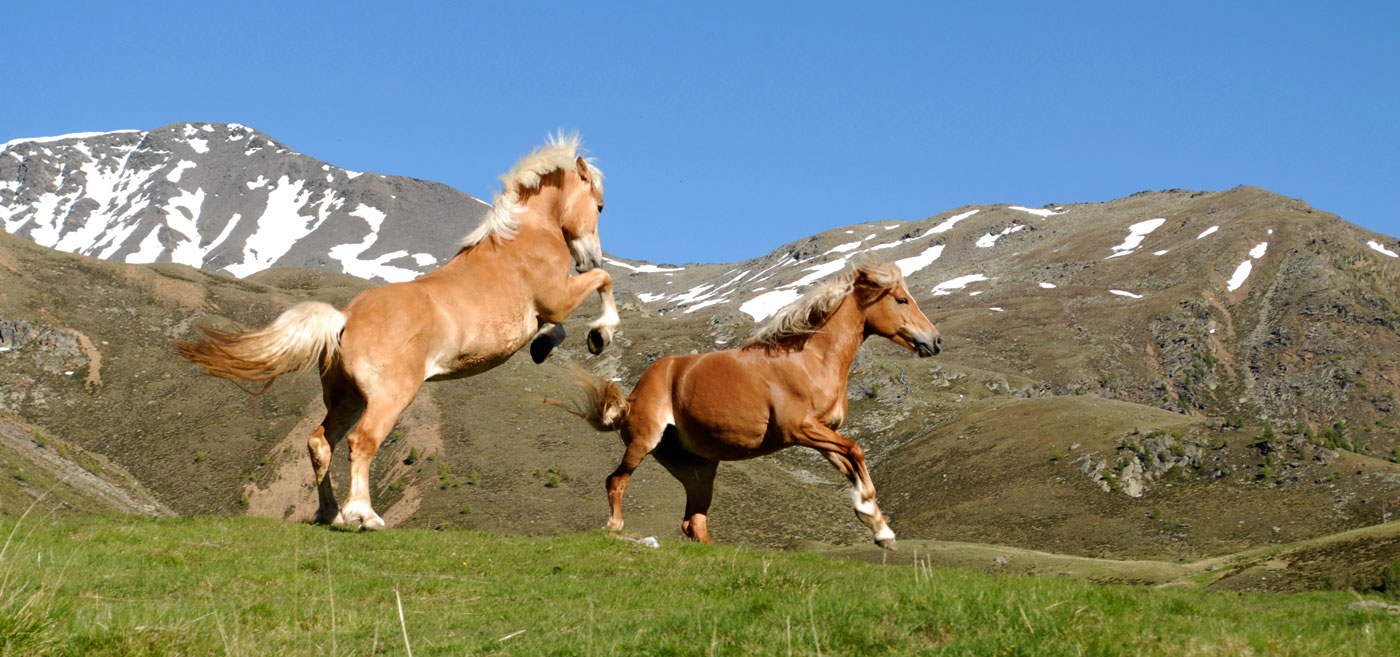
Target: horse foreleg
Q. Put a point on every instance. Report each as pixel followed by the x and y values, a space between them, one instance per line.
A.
pixel 546 339
pixel 849 458
pixel 640 439
pixel 555 305
pixel 376 422
pixel 600 332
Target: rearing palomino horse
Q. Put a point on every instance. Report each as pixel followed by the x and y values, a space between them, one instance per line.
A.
pixel 510 282
pixel 786 387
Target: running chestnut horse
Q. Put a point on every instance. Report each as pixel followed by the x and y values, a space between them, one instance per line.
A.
pixel 510 282
pixel 785 387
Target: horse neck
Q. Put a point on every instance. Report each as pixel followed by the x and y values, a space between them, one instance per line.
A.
pixel 833 347
pixel 539 220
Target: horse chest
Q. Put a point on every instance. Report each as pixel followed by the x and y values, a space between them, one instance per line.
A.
pixel 834 414
pixel 834 417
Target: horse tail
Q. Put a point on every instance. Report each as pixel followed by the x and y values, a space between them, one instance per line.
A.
pixel 307 332
pixel 603 405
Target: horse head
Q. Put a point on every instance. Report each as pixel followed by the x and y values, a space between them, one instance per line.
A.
pixel 582 203
pixel 890 310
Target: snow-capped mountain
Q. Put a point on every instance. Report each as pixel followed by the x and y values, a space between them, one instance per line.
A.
pixel 982 255
pixel 225 198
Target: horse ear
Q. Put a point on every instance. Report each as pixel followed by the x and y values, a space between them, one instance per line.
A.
pixel 863 279
pixel 582 168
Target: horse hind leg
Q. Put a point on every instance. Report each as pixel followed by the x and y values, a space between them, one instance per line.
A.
pixel 697 474
pixel 378 419
pixel 641 435
pixel 344 409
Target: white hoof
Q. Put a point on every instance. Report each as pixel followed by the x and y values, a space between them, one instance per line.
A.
pixel 359 515
pixel 614 524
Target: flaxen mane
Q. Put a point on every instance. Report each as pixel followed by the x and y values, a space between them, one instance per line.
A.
pixel 805 316
pixel 559 152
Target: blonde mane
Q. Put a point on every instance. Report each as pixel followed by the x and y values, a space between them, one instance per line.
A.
pixel 806 316
pixel 558 152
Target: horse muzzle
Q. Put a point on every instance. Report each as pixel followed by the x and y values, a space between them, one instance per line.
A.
pixel 928 346
pixel 588 254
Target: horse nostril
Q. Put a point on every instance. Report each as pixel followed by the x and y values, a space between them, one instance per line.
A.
pixel 938 342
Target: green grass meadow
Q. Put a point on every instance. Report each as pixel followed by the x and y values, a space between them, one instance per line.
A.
pixel 245 586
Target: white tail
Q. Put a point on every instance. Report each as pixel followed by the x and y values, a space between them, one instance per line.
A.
pixel 304 333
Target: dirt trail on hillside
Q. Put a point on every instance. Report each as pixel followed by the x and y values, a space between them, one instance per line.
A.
pixel 18 437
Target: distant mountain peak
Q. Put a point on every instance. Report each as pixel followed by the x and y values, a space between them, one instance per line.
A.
pixel 224 197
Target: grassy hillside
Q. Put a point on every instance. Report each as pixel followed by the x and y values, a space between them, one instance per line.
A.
pixel 51 475
pixel 127 586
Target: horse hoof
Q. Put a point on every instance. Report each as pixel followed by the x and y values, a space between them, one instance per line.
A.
pixel 614 525
pixel 596 342
pixel 888 544
pixel 544 344
pixel 374 524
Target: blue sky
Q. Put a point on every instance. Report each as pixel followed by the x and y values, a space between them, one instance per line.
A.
pixel 729 129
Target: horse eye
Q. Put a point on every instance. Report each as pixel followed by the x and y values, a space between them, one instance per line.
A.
pixel 600 208
pixel 901 301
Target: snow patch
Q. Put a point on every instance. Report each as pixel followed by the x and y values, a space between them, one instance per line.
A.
pixel 842 248
pixel 1381 249
pixel 947 287
pixel 648 297
pixel 261 182
pixel 819 272
pixel 71 135
pixel 1161 253
pixel 1238 278
pixel 200 145
pixel 1039 212
pixel 349 254
pixel 988 241
pixel 908 266
pixel 1208 231
pixel 704 304
pixel 282 225
pixel 1047 286
pixel 996 309
pixel 765 305
pixel 1136 234
pixel 149 249
pixel 1125 293
pixel 179 171
pixel 948 223
pixel 642 269
pixel 182 217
